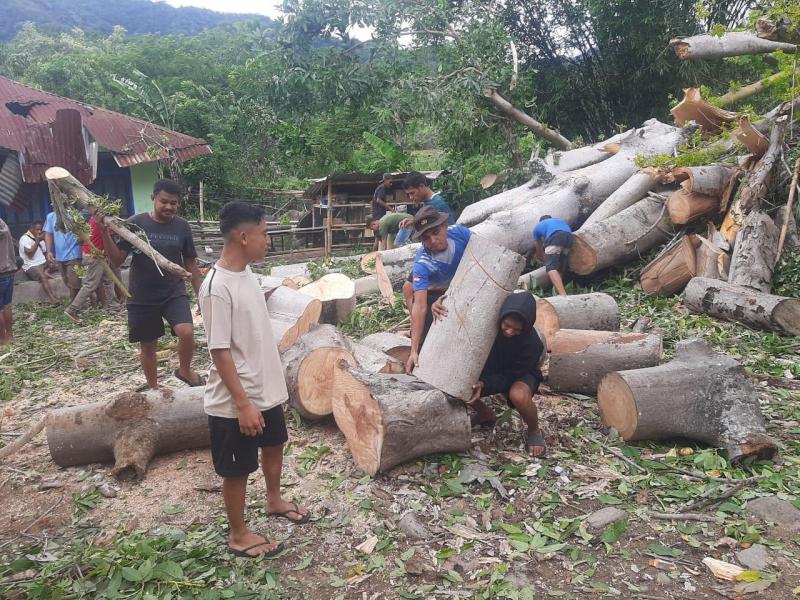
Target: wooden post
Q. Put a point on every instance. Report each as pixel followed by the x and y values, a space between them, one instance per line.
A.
pixel 329 221
pixel 202 202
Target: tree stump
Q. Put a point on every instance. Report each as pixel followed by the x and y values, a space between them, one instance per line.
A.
pixel 670 272
pixel 291 314
pixel 699 395
pixel 595 311
pixel 337 293
pixel 375 361
pixel 391 419
pixel 755 253
pixel 486 275
pixel 743 305
pixel 580 359
pixel 129 429
pixel 396 346
pixel 310 365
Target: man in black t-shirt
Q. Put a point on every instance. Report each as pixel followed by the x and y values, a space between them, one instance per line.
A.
pixel 157 295
pixel 379 204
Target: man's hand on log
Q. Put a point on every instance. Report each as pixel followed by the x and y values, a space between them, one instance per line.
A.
pixel 438 308
pixel 251 421
pixel 477 390
pixel 412 362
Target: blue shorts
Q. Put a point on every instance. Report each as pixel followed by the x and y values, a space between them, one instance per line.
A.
pixel 6 289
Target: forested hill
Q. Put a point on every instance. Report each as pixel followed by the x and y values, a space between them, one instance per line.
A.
pixel 136 16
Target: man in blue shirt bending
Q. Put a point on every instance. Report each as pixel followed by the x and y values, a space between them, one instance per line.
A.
pixel 553 241
pixel 434 267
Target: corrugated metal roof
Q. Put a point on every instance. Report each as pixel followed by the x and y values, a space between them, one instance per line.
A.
pixel 64 143
pixel 130 140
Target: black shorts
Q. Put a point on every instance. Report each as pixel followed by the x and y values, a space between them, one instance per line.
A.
pixel 558 262
pixel 146 321
pixel 528 379
pixel 236 454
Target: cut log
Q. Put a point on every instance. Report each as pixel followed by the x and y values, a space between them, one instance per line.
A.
pixel 699 395
pixel 711 261
pixel 734 43
pixel 685 206
pixel 537 278
pixel 628 194
pixel 310 367
pixel 288 271
pixel 269 284
pixel 396 346
pixel 596 311
pixel 368 262
pixel 710 180
pixel 486 275
pixel 621 238
pixel 374 361
pixel 671 271
pixel 694 108
pixel 337 294
pixel 743 305
pixel 755 253
pixel 292 314
pixel 561 162
pixel 392 268
pixel 366 285
pixel 580 359
pixel 391 419
pixel 755 141
pixel 130 429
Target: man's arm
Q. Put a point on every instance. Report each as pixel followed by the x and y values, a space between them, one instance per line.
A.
pixel 49 242
pixel 251 422
pixel 418 312
pixel 191 266
pixel 30 251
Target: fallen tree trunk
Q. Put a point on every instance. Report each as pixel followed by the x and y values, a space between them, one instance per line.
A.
pixel 396 346
pixel 743 305
pixel 710 180
pixel 734 43
pixel 374 361
pixel 671 271
pixel 524 119
pixel 596 311
pixel 291 314
pixel 755 253
pixel 486 275
pixel 269 284
pixel 746 91
pixel 685 207
pixel 578 158
pixel 129 429
pixel 699 395
pixel 580 359
pixel 391 419
pixel 310 366
pixel 366 285
pixel 711 261
pixel 537 278
pixel 619 239
pixel 337 293
pixel 628 194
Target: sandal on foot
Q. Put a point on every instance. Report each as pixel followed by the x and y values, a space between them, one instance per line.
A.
pixel 536 440
pixel 201 381
pixel 475 421
pixel 296 510
pixel 245 554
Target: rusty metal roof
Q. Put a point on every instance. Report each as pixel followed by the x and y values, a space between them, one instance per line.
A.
pixel 130 140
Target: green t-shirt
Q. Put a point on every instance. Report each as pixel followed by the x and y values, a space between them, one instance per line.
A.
pixel 390 223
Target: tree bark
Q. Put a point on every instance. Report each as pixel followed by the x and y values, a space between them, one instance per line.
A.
pixel 580 359
pixel 699 395
pixel 747 91
pixel 784 221
pixel 366 285
pixel 391 419
pixel 755 253
pixel 578 158
pixel 337 292
pixel 486 275
pixel 735 43
pixel 396 346
pixel 694 108
pixel 671 271
pixel 537 278
pixel 711 261
pixel 628 194
pixel 619 239
pixel 596 311
pixel 129 429
pixel 710 180
pixel 269 284
pixel 310 366
pixel 524 119
pixel 778 30
pixel 374 361
pixel 685 206
pixel 292 314
pixel 743 305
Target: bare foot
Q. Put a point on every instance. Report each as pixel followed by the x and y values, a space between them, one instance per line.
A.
pixel 291 511
pixel 249 539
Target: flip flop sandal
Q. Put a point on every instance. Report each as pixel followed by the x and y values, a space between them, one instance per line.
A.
pixel 199 383
pixel 536 439
pixel 295 510
pixel 244 554
pixel 475 421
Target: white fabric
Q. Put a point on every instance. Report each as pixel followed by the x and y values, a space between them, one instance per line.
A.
pixel 26 243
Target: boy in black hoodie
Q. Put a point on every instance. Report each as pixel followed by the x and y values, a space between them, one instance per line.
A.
pixel 513 369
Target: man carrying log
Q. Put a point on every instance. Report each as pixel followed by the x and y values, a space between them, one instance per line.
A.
pixel 553 240
pixel 158 295
pixel 246 388
pixel 388 229
pixel 434 266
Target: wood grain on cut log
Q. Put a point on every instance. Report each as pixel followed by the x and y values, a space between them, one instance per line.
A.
pixel 596 311
pixel 699 395
pixel 685 206
pixel 367 262
pixel 672 270
pixel 374 361
pixel 391 419
pixel 755 141
pixel 291 314
pixel 580 359
pixel 755 253
pixel 337 292
pixel 628 194
pixel 711 261
pixel 734 43
pixel 393 344
pixel 711 180
pixel 621 238
pixel 694 108
pixel 392 268
pixel 310 366
pixel 485 276
pixel 129 429
pixel 743 305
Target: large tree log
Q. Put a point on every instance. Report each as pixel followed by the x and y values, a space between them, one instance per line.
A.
pixel 621 238
pixel 684 206
pixel 743 305
pixel 755 253
pixel 129 429
pixel 746 91
pixel 578 158
pixel 671 271
pixel 595 311
pixel 396 346
pixel 580 359
pixel 269 284
pixel 374 361
pixel 486 275
pixel 628 194
pixel 711 180
pixel 76 192
pixel 524 119
pixel 711 261
pixel 366 285
pixel 291 314
pixel 735 43
pixel 699 395
pixel 310 366
pixel 391 419
pixel 337 292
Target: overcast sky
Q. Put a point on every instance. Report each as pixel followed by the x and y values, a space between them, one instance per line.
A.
pixel 260 7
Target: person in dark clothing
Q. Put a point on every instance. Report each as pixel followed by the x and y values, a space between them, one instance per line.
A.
pixel 513 369
pixel 553 241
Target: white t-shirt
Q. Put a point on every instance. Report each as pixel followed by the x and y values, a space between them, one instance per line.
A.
pixel 235 317
pixel 26 242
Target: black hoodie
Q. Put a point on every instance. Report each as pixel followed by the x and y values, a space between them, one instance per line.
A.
pixel 514 358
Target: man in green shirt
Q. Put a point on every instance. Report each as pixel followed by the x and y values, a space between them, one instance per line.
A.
pixel 389 225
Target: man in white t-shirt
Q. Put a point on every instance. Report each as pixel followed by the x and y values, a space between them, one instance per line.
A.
pixel 246 389
pixel 34 262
